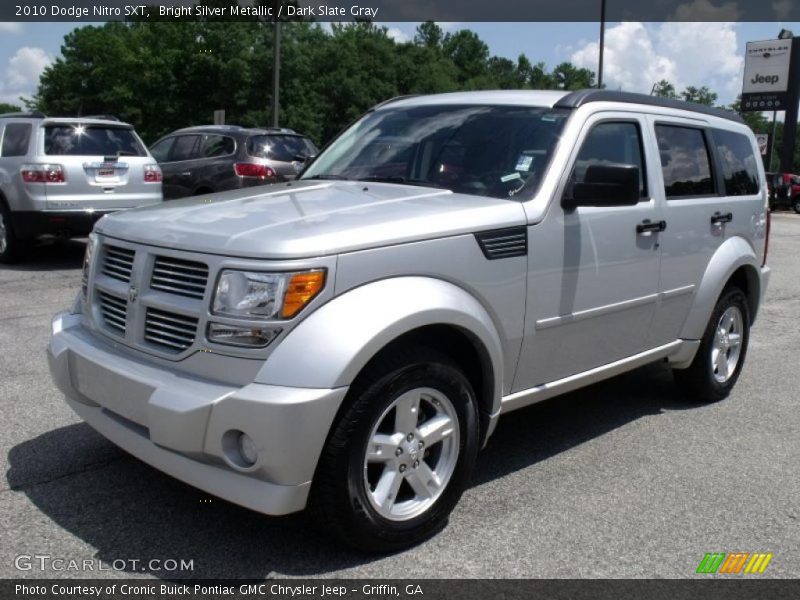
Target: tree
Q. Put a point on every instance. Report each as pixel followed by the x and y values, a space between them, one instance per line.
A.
pixel 569 77
pixel 699 95
pixel 664 89
pixel 8 108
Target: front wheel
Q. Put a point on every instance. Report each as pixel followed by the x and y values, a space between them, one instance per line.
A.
pixel 796 205
pixel 720 358
pixel 400 455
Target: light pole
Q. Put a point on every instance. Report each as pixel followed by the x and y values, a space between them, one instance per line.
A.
pixel 276 72
pixel 602 43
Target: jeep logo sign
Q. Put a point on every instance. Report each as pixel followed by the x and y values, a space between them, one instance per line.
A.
pixel 766 66
pixel 768 79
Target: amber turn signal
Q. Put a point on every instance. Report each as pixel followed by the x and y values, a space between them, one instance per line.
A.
pixel 302 288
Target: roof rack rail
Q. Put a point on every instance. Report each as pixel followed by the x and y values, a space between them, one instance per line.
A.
pixel 393 99
pixel 581 97
pixel 101 117
pixel 24 115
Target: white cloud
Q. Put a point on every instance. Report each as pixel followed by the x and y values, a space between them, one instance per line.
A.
pixel 7 27
pixel 637 56
pixel 22 73
pixel 398 35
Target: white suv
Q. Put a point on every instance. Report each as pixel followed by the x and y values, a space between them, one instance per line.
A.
pixel 348 340
pixel 59 176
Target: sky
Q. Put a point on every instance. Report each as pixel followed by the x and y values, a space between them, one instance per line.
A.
pixel 637 54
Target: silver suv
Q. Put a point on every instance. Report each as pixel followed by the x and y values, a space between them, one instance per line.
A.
pixel 58 176
pixel 348 341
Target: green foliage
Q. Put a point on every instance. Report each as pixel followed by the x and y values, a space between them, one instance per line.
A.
pixel 699 95
pixel 161 76
pixel 664 89
pixel 8 108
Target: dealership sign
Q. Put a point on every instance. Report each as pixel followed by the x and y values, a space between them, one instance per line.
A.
pixel 766 75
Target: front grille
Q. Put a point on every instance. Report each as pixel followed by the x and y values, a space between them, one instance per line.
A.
pixel 118 263
pixel 114 311
pixel 180 277
pixel 170 331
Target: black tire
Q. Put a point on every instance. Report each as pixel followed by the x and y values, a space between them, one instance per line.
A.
pixel 699 381
pixel 796 205
pixel 338 498
pixel 12 249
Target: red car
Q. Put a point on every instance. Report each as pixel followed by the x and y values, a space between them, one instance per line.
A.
pixel 784 191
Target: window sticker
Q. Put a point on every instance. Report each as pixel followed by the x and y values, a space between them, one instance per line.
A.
pixel 524 162
pixel 510 177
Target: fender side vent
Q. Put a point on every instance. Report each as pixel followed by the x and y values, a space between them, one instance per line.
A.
pixel 503 243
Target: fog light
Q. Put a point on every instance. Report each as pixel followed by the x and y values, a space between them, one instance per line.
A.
pixel 243 336
pixel 247 448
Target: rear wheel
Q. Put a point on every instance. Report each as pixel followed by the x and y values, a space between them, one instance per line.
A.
pixel 796 204
pixel 719 360
pixel 400 455
pixel 11 247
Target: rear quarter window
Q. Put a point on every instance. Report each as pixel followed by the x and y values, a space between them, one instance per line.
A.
pixel 738 163
pixel 15 139
pixel 89 140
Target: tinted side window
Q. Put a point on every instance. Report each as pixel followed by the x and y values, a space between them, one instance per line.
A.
pixel 160 150
pixel 216 145
pixel 15 139
pixel 184 147
pixel 684 161
pixel 612 144
pixel 739 166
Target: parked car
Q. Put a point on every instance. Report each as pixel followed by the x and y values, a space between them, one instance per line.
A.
pixel 348 341
pixel 58 176
pixel 214 158
pixel 784 191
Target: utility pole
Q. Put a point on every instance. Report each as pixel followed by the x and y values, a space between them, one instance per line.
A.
pixel 602 43
pixel 276 73
pixel 790 119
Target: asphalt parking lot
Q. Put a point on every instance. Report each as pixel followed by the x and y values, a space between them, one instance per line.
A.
pixel 623 479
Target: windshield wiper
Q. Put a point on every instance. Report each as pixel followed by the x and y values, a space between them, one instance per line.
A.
pixel 403 180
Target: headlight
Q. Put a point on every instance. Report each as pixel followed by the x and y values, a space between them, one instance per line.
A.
pixel 87 262
pixel 265 295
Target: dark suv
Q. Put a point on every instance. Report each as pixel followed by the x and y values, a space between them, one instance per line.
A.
pixel 213 158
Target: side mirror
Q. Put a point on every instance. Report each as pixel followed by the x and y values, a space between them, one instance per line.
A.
pixel 605 185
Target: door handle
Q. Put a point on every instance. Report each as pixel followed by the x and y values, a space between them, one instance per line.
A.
pixel 718 218
pixel 647 226
pixel 186 174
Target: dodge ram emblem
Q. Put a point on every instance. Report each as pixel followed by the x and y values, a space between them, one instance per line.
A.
pixel 133 293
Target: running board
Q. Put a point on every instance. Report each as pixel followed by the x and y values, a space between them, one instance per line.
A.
pixel 579 380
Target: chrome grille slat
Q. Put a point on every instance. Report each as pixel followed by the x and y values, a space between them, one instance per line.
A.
pixel 162 342
pixel 118 263
pixel 180 277
pixel 114 311
pixel 170 330
pixel 158 332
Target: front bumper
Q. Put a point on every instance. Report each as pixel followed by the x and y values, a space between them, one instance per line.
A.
pixel 183 426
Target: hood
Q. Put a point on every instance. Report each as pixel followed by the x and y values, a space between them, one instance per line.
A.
pixel 305 219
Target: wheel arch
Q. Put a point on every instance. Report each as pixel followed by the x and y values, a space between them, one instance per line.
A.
pixel 331 347
pixel 734 262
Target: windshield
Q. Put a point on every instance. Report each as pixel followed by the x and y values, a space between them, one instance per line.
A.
pixel 91 140
pixel 497 151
